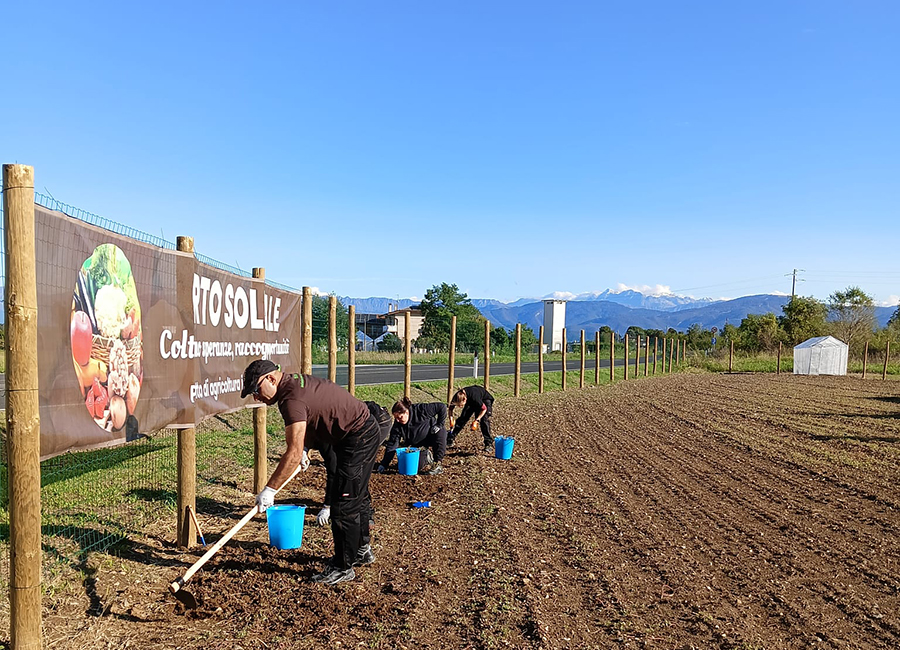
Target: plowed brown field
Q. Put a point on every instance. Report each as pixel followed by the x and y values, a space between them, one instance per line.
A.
pixel 692 511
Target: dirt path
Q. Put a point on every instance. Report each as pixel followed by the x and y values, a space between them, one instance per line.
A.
pixel 697 511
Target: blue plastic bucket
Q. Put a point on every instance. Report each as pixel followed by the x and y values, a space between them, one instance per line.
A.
pixel 408 461
pixel 503 447
pixel 285 526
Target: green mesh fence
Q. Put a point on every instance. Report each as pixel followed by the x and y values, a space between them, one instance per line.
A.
pixel 93 499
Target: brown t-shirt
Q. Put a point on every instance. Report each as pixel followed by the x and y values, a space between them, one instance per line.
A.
pixel 330 412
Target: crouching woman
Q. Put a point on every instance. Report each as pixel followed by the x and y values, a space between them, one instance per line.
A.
pixel 417 425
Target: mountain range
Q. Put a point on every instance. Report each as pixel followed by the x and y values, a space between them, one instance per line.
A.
pixel 617 310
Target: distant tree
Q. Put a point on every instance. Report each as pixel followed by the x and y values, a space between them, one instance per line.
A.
pixel 654 333
pixel 469 335
pixel 698 338
pixel 529 339
pixel 501 340
pixel 441 303
pixel 606 334
pixel 320 323
pixel 730 333
pixel 390 343
pixel 852 313
pixel 635 331
pixel 893 321
pixel 804 318
pixel 759 332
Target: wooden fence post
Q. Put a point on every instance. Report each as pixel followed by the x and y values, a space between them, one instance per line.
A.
pixel 306 333
pixel 186 496
pixel 518 359
pixel 865 359
pixel 260 439
pixel 451 368
pixel 564 351
pixel 887 354
pixel 778 364
pixel 612 357
pixel 637 356
pixel 487 355
pixel 655 352
pixel 677 352
pixel 22 409
pixel 581 375
pixel 731 358
pixel 626 357
pixel 452 359
pixel 646 356
pixel 541 359
pixel 671 353
pixel 407 355
pixel 597 359
pixel 351 351
pixel 332 338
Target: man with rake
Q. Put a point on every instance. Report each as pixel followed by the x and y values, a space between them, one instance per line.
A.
pixel 319 412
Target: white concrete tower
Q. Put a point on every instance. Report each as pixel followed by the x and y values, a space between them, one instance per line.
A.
pixel 554 322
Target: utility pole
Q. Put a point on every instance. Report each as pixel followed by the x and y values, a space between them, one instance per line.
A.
pixel 794 282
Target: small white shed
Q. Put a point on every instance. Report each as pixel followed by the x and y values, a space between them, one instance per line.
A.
pixel 822 355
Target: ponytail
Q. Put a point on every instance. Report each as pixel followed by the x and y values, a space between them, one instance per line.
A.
pixel 401 406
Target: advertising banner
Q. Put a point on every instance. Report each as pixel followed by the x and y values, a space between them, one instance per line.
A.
pixel 134 338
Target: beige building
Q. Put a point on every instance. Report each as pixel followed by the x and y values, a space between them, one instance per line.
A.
pixel 395 322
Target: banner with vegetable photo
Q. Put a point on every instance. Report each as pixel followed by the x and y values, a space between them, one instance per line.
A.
pixel 134 338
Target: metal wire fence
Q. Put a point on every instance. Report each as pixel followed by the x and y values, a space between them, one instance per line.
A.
pixel 93 499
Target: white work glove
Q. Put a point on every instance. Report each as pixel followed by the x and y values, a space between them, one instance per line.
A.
pixel 265 499
pixel 323 516
pixel 304 462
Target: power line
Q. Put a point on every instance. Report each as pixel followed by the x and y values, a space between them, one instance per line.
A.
pixel 727 284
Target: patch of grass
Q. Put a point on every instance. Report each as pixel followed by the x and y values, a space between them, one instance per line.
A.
pixel 742 363
pixel 769 363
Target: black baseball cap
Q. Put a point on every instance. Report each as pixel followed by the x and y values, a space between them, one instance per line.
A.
pixel 254 371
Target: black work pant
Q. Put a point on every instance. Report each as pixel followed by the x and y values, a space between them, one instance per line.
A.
pixel 438 443
pixel 485 423
pixel 351 503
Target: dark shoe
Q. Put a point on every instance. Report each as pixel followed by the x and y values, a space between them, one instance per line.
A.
pixel 364 556
pixel 489 448
pixel 435 469
pixel 426 458
pixel 333 575
pixel 340 575
pixel 450 442
pixel 325 573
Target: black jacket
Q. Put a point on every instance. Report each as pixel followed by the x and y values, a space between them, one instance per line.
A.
pixel 423 418
pixel 476 397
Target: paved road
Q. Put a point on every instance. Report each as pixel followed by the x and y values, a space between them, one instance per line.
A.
pixel 393 374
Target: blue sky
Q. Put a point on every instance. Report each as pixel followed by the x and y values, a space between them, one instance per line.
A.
pixel 513 148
